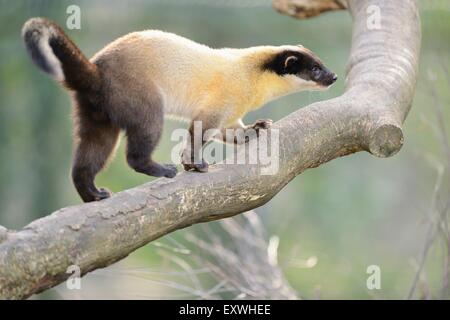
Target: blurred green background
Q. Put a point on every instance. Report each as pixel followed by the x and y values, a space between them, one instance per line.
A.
pixel 344 216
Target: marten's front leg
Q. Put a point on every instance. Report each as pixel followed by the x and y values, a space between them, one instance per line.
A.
pixel 192 158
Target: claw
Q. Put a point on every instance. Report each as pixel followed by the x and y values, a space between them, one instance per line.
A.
pixel 102 194
pixel 262 124
pixel 202 167
pixel 170 171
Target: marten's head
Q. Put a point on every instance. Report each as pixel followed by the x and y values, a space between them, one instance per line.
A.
pixel 298 67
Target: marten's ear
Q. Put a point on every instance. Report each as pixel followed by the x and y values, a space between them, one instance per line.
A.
pixel 290 64
pixel 283 63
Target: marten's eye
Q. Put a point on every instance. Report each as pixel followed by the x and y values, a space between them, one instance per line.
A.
pixel 316 70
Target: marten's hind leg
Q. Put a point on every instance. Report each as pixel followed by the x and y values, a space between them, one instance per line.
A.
pixel 143 136
pixel 96 143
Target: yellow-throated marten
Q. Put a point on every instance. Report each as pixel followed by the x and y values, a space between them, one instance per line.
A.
pixel 137 79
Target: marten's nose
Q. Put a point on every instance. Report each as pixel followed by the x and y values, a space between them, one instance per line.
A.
pixel 330 79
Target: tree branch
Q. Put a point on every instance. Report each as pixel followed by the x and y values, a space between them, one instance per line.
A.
pixel 380 85
pixel 307 8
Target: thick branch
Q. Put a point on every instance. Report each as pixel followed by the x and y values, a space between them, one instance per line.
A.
pixel 368 116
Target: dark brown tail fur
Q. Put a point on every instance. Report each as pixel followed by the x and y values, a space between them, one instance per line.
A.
pixel 53 52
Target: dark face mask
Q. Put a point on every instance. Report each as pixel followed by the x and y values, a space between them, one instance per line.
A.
pixel 303 65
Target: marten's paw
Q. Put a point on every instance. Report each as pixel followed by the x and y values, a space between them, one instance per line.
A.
pixel 199 167
pixel 102 194
pixel 262 124
pixel 170 170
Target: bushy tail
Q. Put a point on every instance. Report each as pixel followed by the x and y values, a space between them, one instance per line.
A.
pixel 53 52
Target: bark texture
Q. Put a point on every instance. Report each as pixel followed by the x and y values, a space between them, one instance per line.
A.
pixel 380 84
pixel 307 8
